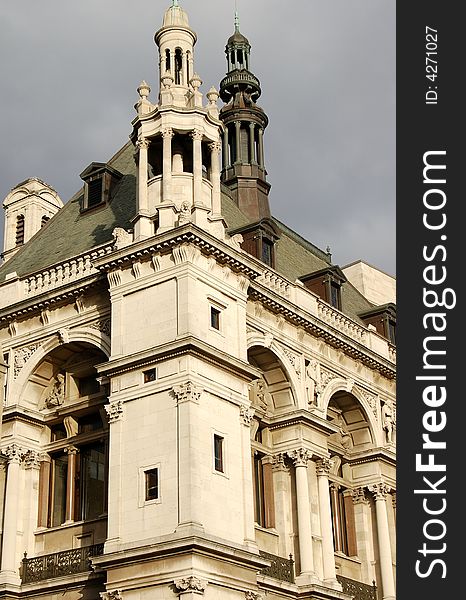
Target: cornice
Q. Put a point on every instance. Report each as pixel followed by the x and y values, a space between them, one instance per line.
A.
pixel 185 345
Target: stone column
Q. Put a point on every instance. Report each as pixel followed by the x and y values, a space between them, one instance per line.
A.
pixel 281 494
pixel 328 556
pixel 197 166
pixel 246 415
pixel 187 396
pixel 115 413
pixel 184 58
pixel 252 143
pixel 143 227
pixel 72 451
pixel 238 142
pixel 215 148
pixel 167 135
pixel 44 481
pixel 300 459
pixel 261 147
pixel 380 491
pixel 226 149
pixel 32 463
pixel 363 535
pixel 10 518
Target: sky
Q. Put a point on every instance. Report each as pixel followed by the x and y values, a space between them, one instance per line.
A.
pixel 69 72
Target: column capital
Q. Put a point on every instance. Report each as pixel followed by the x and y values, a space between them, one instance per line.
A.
pixel 379 490
pixel 323 466
pixel 32 459
pixel 13 453
pixel 142 143
pixel 190 584
pixel 114 595
pixel 215 147
pixel 114 411
pixel 359 496
pixel 167 132
pixel 278 462
pixel 250 595
pixel 197 134
pixel 300 457
pixel 187 392
pixel 71 450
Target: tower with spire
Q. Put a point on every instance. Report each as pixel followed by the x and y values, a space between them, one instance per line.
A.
pixel 245 122
pixel 178 140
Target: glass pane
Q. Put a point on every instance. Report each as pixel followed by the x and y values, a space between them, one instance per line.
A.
pixel 93 486
pixel 60 471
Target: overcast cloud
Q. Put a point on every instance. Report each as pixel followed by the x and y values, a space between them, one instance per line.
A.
pixel 69 73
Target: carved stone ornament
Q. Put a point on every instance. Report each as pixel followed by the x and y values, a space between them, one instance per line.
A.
pixel 278 462
pixel 187 392
pixel 190 584
pixel 114 411
pixel 56 396
pixel 294 359
pixel 32 459
pixel 235 241
pixel 380 490
pixel 184 213
pixel 215 147
pixel 63 335
pixel 370 399
pixel 167 132
pixel 300 457
pixel 246 414
pixel 114 595
pixel 326 377
pixel 122 238
pixel 142 142
pixel 249 595
pixel 197 135
pixel 13 453
pixel 260 396
pixel 359 496
pixel 21 357
pixel 388 421
pixel 323 466
pixel 103 325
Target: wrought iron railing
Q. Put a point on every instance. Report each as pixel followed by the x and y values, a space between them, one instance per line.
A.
pixel 59 564
pixel 359 591
pixel 280 568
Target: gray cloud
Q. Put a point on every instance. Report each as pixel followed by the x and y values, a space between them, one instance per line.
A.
pixel 69 73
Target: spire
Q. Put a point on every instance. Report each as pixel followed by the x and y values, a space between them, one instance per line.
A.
pixel 236 21
pixel 175 3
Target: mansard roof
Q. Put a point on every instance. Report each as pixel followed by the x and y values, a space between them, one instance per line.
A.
pixel 71 232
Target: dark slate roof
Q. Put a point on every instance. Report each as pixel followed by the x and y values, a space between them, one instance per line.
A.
pixel 70 233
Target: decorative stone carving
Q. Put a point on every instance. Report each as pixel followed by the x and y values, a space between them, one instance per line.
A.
pixel 300 457
pixel 32 459
pixel 71 450
pixel 56 396
pixel 142 143
pixel 13 453
pixel 326 377
pixel 13 328
pixel 156 263
pixel 260 397
pixel 249 595
pixel 184 213
pixel 187 392
pixel 370 399
pixel 294 359
pixel 312 383
pixel 79 303
pixel 197 134
pixel 186 253
pixel 114 278
pixel 114 595
pixel 345 438
pixel 380 490
pixel 388 421
pixel 44 316
pixel 63 335
pixel 103 325
pixel 323 466
pixel 122 238
pixel 359 496
pixel 167 132
pixel 71 426
pixel 114 411
pixel 215 147
pixel 246 414
pixel 235 241
pixel 21 357
pixel 136 269
pixel 278 462
pixel 190 584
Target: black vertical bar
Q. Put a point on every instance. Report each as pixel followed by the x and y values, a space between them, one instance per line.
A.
pixel 430 130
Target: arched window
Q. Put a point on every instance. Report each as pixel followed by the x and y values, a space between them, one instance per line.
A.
pixel 20 230
pixel 45 219
pixel 167 60
pixel 178 66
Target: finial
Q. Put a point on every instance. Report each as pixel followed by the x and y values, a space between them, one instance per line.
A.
pixel 236 21
pixel 175 3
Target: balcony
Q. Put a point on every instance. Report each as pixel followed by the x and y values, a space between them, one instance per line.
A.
pixel 359 591
pixel 59 564
pixel 280 568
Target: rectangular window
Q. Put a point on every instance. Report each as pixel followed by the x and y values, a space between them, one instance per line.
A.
pixel 58 490
pixel 218 453
pixel 267 252
pixel 150 375
pixel 151 477
pixel 94 192
pixel 214 318
pixel 335 296
pixel 259 497
pixel 92 481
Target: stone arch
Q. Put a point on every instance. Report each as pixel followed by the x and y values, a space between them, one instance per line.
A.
pixel 281 384
pixel 85 337
pixel 360 422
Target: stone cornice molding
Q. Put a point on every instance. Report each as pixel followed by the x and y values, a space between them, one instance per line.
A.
pixel 318 328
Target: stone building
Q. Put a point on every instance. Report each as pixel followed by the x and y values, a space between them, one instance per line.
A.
pixel 196 401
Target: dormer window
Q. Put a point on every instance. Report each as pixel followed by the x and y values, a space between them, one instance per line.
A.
pixel 99 182
pixel 326 283
pixel 259 239
pixel 383 318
